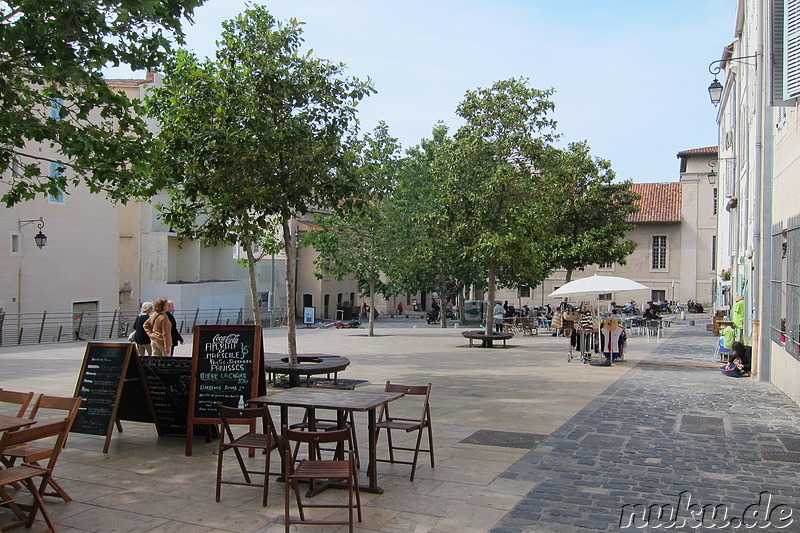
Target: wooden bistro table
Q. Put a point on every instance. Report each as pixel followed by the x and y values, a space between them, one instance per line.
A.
pixel 339 400
pixel 11 423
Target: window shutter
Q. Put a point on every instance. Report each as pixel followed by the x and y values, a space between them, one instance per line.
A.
pixel 792 49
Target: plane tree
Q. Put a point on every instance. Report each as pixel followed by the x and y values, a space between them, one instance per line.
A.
pixel 254 138
pixel 590 224
pixel 355 242
pixel 497 179
pixel 52 92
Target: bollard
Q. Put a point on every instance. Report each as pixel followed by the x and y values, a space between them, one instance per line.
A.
pixel 691 322
pixel 683 315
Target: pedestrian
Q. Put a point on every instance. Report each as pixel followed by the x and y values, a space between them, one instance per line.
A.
pixel 499 313
pixel 399 308
pixel 176 335
pixel 159 329
pixel 140 336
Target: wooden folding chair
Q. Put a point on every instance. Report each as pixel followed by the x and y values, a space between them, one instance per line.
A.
pixel 252 441
pixel 316 470
pixel 25 473
pixel 32 454
pixel 327 424
pixel 389 423
pixel 23 399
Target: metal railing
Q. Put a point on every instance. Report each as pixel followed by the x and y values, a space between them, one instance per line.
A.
pixel 52 327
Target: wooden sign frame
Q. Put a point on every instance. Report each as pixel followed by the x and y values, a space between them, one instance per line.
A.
pixel 130 378
pixel 219 365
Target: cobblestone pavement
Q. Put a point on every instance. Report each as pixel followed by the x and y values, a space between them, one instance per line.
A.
pixel 670 431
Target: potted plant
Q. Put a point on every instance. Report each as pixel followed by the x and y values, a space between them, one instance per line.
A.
pixel 725 274
pixel 783 330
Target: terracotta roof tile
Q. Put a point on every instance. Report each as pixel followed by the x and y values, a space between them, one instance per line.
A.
pixel 694 151
pixel 660 202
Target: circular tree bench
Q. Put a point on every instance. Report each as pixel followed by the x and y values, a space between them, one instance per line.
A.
pixel 487 340
pixel 308 365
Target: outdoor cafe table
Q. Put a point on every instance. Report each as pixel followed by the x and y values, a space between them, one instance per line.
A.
pixel 10 423
pixel 339 400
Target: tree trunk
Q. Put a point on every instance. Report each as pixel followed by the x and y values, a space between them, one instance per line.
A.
pixel 490 313
pixel 443 305
pixel 372 308
pixel 251 270
pixel 290 246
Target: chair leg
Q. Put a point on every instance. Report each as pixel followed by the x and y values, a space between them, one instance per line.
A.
pixel 266 480
pixel 219 473
pixel 416 454
pixel 391 446
pixel 430 443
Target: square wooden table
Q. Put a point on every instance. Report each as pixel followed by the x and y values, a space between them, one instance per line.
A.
pixel 8 423
pixel 338 400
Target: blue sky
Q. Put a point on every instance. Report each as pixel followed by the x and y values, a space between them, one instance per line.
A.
pixel 630 76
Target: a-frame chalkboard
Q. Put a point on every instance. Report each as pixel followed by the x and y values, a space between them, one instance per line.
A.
pixel 227 367
pixel 112 387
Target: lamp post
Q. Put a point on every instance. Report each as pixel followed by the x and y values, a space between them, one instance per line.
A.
pixel 40 238
pixel 712 176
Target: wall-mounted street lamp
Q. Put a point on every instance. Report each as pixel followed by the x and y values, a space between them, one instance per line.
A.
pixel 712 176
pixel 40 238
pixel 716 88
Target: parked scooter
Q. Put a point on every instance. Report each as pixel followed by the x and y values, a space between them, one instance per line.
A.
pixel 433 316
pixel 350 324
pixel 630 308
pixel 693 307
pixel 662 307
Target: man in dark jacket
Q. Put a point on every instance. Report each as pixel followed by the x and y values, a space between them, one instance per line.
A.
pixel 176 335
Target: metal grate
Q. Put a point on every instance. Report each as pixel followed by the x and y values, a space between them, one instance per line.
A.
pixel 506 439
pixel 792 444
pixel 603 441
pixel 785 457
pixel 702 425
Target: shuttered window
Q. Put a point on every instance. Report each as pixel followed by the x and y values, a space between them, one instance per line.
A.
pixel 792 49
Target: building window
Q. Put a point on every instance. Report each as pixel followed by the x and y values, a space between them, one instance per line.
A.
pixel 716 200
pixel 57 171
pixel 713 253
pixel 658 296
pixel 15 244
pixel 659 252
pixel 525 292
pixel 605 266
pixel 56 104
pixel 606 296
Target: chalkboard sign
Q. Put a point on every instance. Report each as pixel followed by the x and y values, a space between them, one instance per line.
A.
pixel 168 381
pixel 110 376
pixel 227 363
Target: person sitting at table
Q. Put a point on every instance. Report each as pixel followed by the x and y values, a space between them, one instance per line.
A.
pixel 650 313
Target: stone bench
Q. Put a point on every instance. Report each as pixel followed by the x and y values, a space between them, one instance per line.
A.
pixel 487 340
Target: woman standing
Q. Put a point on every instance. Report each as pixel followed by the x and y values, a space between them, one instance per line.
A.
pixel 159 328
pixel 140 336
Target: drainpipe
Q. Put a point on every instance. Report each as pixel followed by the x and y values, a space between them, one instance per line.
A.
pixel 763 208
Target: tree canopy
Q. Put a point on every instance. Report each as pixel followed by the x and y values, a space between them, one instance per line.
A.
pixel 52 91
pixel 254 138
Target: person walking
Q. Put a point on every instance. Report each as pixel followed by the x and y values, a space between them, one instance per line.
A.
pixel 140 336
pixel 499 314
pixel 159 329
pixel 399 308
pixel 176 335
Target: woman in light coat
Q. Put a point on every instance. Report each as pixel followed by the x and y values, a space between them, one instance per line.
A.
pixel 159 328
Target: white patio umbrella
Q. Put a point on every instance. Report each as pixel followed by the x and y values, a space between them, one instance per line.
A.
pixel 595 285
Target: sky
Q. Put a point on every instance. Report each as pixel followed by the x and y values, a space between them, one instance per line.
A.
pixel 630 76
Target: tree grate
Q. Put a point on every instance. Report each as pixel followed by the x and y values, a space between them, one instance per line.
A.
pixel 791 444
pixel 784 457
pixel 702 425
pixel 506 439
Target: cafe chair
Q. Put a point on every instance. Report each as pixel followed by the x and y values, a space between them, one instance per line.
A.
pixel 26 474
pixel 21 399
pixel 32 453
pixel 314 470
pixel 327 424
pixel 251 441
pixel 389 423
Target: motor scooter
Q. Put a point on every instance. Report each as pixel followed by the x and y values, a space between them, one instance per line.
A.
pixel 630 308
pixel 350 324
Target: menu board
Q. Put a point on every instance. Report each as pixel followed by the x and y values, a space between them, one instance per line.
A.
pixel 168 381
pixel 100 384
pixel 227 363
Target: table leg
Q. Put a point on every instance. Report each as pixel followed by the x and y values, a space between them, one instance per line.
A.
pixel 373 454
